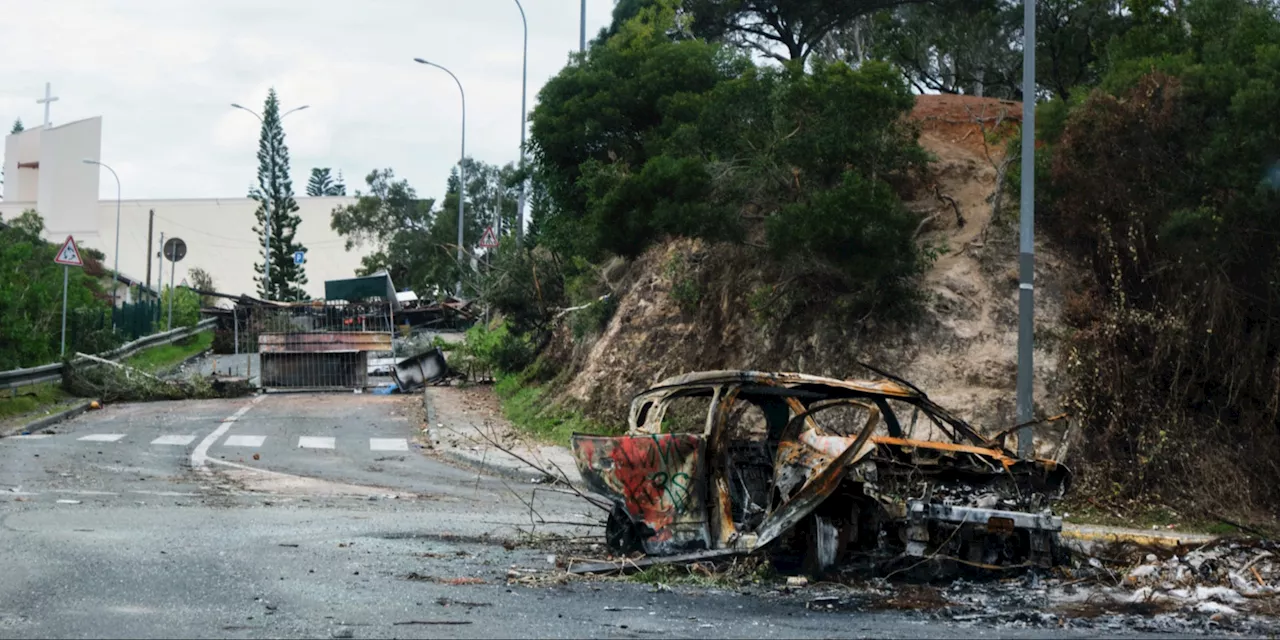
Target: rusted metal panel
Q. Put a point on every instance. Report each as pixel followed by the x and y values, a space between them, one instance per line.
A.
pixel 322 342
pixel 659 479
pixel 323 370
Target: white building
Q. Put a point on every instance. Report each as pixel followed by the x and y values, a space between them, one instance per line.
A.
pixel 45 170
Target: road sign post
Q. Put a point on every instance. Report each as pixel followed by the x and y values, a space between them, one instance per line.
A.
pixel 174 249
pixel 65 276
pixel 68 256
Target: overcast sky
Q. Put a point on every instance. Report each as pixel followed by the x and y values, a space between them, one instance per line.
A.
pixel 162 74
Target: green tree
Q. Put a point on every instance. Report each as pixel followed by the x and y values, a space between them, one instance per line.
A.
pixel 31 299
pixel 395 223
pixel 608 114
pixel 275 190
pixel 762 26
pixel 955 46
pixel 186 306
pixel 201 280
pixel 324 184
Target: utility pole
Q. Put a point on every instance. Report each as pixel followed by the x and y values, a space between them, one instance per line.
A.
pixel 524 116
pixel 1026 233
pixel 159 274
pixel 582 28
pixel 151 225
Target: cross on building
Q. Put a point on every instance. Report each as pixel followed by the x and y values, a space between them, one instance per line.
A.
pixel 48 97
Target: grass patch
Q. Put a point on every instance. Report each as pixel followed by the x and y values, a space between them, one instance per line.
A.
pixel 32 398
pixel 167 355
pixel 723 575
pixel 1082 510
pixel 526 406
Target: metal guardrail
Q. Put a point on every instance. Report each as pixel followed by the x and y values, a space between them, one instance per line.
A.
pixel 52 372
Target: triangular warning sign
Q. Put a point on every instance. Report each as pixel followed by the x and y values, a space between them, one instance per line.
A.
pixel 69 254
pixel 490 239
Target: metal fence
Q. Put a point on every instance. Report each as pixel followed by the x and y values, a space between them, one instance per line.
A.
pixel 308 346
pixel 137 319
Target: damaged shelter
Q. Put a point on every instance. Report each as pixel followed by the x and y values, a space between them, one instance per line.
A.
pixel 724 462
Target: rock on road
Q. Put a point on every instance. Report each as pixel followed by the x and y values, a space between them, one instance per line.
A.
pixel 313 515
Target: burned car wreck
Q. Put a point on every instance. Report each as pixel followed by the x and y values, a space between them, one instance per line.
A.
pixel 725 462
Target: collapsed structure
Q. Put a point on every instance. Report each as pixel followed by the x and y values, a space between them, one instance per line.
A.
pixel 725 462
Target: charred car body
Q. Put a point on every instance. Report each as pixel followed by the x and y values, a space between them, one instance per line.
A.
pixel 732 461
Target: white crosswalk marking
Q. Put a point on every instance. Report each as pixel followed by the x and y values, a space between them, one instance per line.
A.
pixel 244 441
pixel 180 441
pixel 102 437
pixel 315 442
pixel 388 444
pixel 34 436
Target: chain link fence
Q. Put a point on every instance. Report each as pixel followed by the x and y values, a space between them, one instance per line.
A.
pixel 307 346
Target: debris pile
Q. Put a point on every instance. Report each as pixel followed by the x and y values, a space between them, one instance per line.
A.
pixel 1224 577
pixel 92 377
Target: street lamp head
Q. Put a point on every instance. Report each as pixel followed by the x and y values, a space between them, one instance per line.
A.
pixel 89 161
pixel 420 61
pixel 305 106
pixel 236 106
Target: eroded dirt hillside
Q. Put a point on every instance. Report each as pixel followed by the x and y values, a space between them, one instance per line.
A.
pixel 687 305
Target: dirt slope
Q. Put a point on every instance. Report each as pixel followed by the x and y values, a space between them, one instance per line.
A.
pixel 962 352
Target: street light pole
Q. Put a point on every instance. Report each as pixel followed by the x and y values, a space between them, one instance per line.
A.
pixel 462 171
pixel 115 277
pixel 266 207
pixel 1026 233
pixel 524 91
pixel 582 28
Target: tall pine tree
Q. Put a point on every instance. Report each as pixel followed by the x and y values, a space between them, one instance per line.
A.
pixel 322 183
pixel 275 189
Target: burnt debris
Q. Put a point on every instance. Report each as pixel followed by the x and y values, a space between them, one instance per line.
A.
pixel 819 471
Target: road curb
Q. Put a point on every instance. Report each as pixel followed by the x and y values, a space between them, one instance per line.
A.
pixel 47 421
pixel 1088 534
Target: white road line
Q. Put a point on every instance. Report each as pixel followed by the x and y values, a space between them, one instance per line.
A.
pixel 180 441
pixel 101 437
pixel 200 455
pixel 33 436
pixel 388 444
pixel 315 442
pixel 244 441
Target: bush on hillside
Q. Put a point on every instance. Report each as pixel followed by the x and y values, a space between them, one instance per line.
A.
pixel 1163 188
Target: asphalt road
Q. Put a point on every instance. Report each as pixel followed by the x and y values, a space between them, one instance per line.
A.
pixel 157 520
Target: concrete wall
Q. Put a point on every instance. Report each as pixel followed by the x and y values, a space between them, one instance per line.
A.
pixel 219 238
pixel 68 186
pixel 21 185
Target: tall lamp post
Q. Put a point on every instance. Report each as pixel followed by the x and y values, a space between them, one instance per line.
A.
pixel 524 92
pixel 1026 232
pixel 462 170
pixel 115 276
pixel 266 205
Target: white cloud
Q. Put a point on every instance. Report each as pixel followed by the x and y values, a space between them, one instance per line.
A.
pixel 163 74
